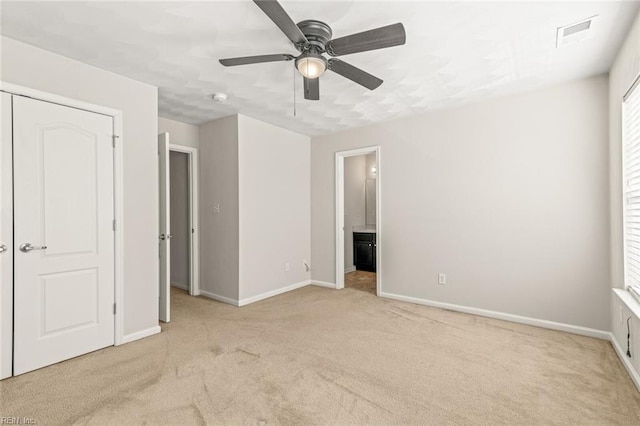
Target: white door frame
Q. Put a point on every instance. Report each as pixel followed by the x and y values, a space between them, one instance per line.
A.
pixel 194 217
pixel 340 156
pixel 6 230
pixel 164 228
pixel 118 191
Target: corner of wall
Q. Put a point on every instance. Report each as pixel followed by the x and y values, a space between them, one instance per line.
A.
pixel 219 265
pixel 274 209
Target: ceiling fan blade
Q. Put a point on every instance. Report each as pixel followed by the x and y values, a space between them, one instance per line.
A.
pixel 245 60
pixel 282 19
pixel 312 89
pixel 379 38
pixel 354 74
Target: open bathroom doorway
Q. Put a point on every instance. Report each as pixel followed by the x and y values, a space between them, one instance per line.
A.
pixel 358 227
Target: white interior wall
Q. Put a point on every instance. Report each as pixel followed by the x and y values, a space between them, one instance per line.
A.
pixel 180 217
pixel 508 197
pixel 29 66
pixel 219 211
pixel 355 175
pixel 274 207
pixel 180 133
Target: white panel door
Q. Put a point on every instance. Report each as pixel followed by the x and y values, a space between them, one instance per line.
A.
pixel 63 233
pixel 6 239
pixel 165 228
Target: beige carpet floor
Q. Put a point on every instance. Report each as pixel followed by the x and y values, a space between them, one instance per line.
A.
pixel 320 356
pixel 361 280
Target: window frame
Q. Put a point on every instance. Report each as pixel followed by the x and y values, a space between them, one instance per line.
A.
pixel 634 90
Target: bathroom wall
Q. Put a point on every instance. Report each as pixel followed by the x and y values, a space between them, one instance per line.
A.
pixel 354 204
pixel 371 171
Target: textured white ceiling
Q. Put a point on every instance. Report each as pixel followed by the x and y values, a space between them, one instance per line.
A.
pixel 456 53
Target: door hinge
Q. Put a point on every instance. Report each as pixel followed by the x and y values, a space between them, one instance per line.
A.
pixel 113 140
pixel 114 309
pixel 114 224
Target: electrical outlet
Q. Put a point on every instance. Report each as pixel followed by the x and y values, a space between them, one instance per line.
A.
pixel 442 279
pixel 287 267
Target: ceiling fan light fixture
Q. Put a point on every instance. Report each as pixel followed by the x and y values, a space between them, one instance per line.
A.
pixel 311 65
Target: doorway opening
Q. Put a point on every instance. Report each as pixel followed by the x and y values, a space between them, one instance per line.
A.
pixel 180 223
pixel 358 225
pixel 178 239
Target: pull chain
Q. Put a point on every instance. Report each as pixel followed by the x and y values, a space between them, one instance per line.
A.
pixel 294 91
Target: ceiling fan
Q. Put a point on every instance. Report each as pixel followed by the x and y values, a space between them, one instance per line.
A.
pixel 312 39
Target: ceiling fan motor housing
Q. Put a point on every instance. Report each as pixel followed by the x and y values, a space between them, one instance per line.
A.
pixel 317 32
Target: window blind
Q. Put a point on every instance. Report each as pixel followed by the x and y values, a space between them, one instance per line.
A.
pixel 631 183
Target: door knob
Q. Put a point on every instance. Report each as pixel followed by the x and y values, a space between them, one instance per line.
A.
pixel 162 237
pixel 3 248
pixel 27 247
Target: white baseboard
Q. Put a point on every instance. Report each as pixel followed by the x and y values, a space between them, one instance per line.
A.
pixel 253 299
pixel 351 268
pixel 127 338
pixel 219 298
pixel 323 284
pixel 575 329
pixel 180 286
pixel 625 361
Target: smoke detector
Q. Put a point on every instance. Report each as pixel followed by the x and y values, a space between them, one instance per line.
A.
pixel 219 98
pixel 576 32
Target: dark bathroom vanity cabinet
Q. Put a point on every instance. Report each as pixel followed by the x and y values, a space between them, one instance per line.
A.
pixel 364 251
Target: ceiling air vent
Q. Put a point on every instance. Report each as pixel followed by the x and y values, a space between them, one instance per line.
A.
pixel 576 32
